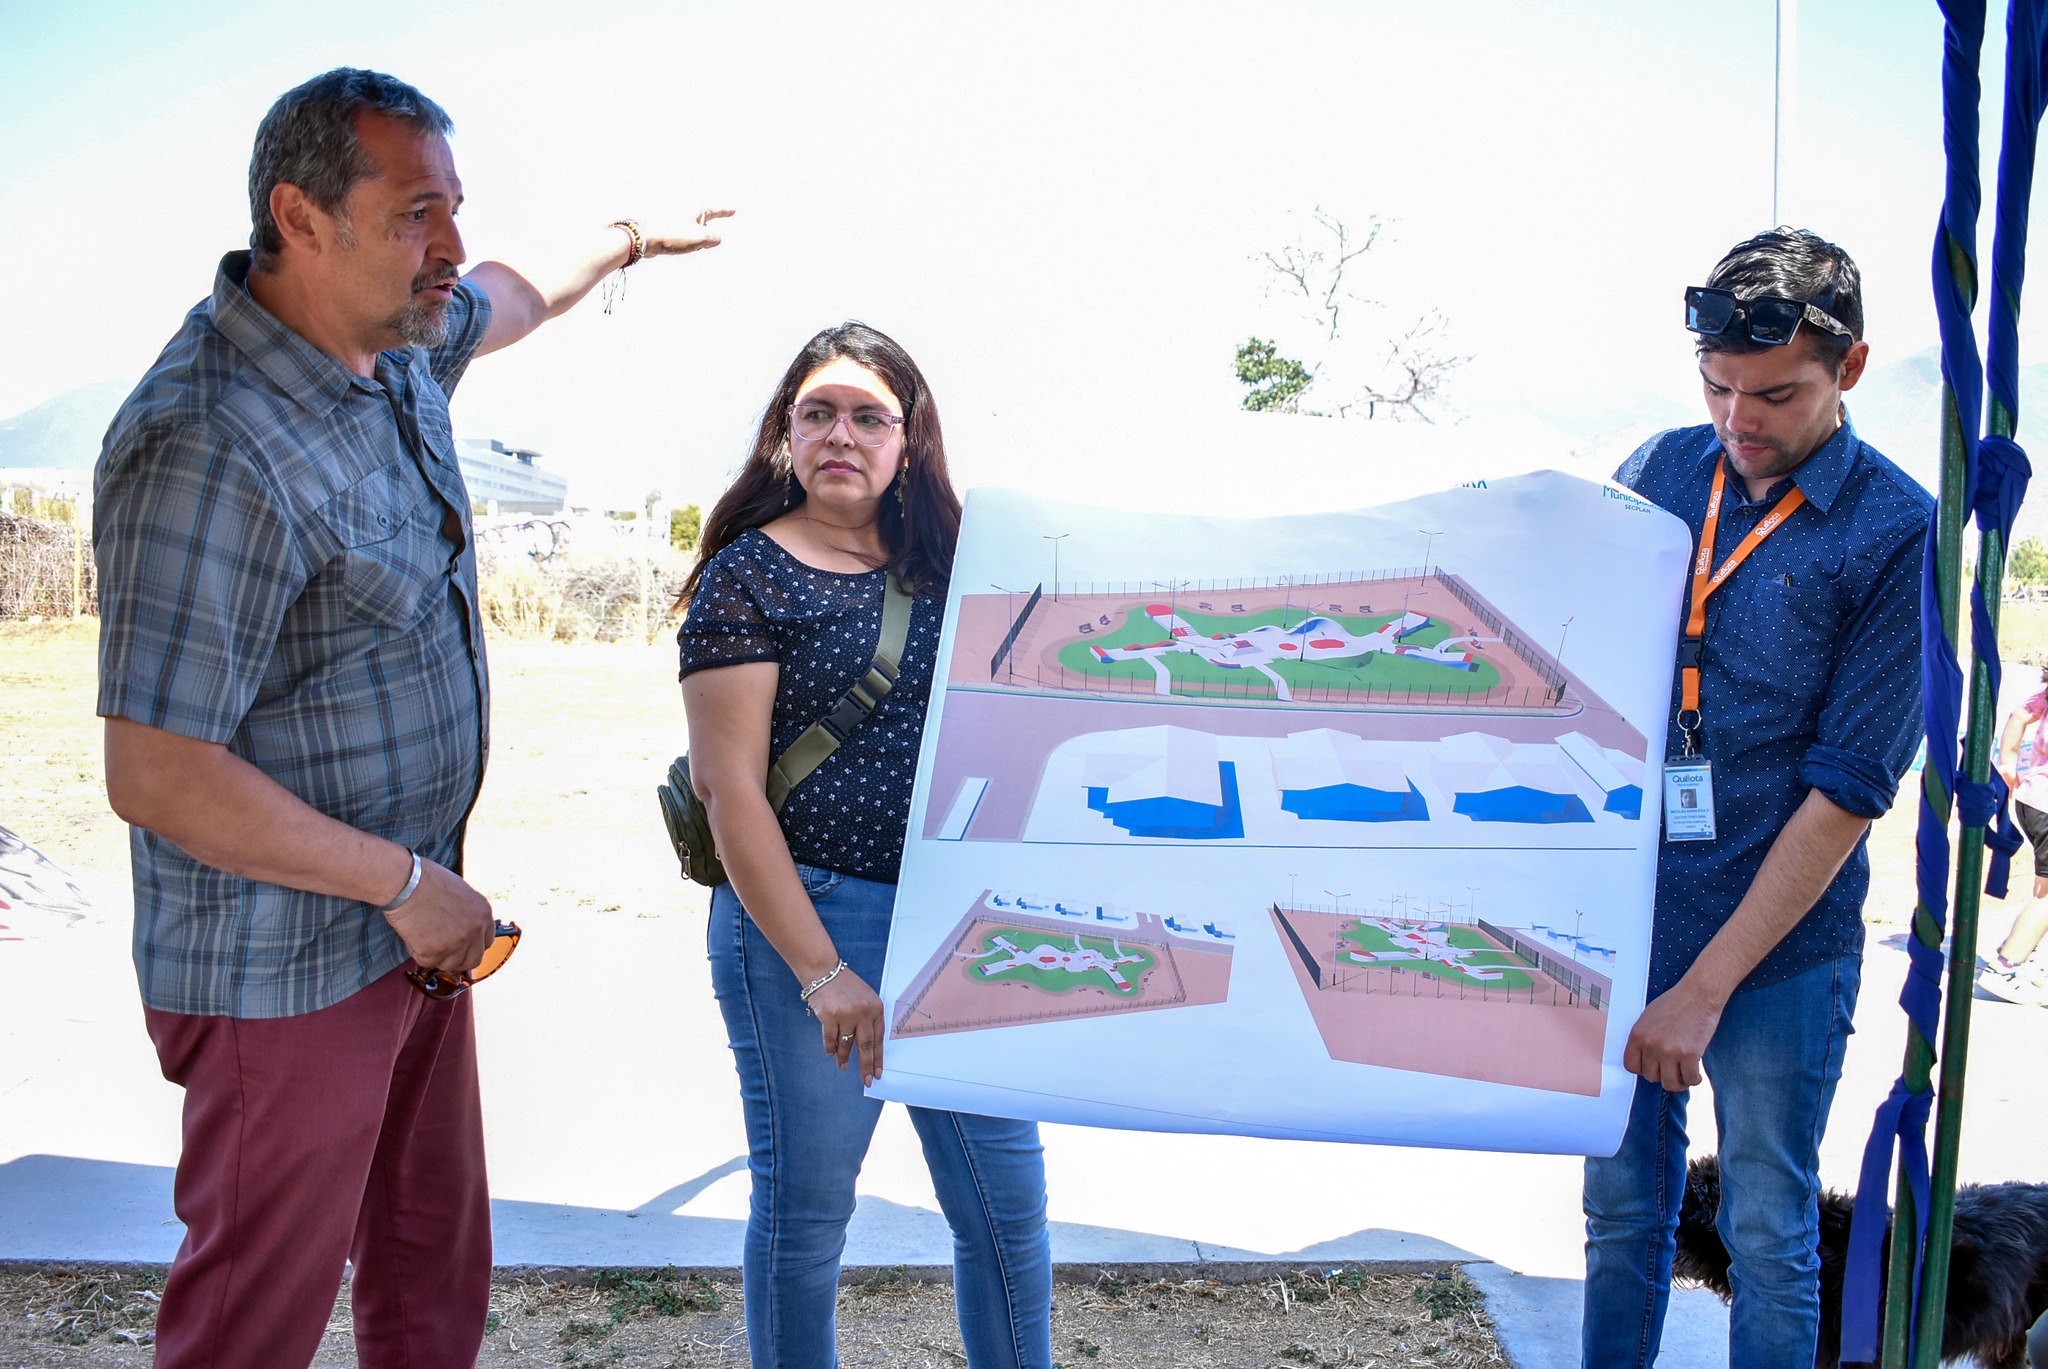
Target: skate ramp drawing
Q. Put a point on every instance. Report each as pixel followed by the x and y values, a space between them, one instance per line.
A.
pixel 1166 782
pixel 1333 776
pixel 1495 781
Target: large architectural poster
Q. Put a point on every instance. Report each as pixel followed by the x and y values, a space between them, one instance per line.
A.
pixel 1337 825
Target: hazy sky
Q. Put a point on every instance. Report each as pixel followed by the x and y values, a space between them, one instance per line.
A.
pixel 1052 205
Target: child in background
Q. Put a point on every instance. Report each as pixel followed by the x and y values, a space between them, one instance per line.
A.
pixel 2023 760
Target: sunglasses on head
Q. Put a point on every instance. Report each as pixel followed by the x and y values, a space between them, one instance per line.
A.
pixel 447 984
pixel 1768 319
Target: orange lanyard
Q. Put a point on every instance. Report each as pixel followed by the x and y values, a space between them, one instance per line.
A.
pixel 1705 580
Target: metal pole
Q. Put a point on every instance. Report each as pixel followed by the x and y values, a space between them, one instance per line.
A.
pixel 1056 538
pixel 2015 181
pixel 1919 1067
pixel 1010 609
pixel 1784 76
pixel 1962 972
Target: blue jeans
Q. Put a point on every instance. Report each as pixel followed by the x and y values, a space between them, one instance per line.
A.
pixel 808 1127
pixel 1773 1062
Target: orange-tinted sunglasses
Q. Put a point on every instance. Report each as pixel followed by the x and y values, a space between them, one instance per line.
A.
pixel 443 984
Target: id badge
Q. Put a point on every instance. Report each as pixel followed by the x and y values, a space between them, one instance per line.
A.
pixel 1689 801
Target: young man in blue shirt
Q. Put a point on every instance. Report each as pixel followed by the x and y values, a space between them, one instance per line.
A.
pixel 1798 690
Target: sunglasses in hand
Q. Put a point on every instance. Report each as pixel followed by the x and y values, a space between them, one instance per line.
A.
pixel 455 983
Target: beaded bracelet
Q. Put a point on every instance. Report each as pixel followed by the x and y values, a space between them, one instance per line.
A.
pixel 820 982
pixel 636 244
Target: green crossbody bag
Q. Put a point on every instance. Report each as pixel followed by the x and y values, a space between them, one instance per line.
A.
pixel 682 812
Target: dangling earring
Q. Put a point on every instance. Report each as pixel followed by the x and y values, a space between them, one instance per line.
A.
pixel 902 479
pixel 786 464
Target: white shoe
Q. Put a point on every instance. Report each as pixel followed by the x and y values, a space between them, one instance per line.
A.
pixel 2025 984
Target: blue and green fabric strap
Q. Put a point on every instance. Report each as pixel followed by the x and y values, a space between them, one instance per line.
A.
pixel 1997 472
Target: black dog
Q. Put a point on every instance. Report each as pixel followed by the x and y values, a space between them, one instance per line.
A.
pixel 1998 1264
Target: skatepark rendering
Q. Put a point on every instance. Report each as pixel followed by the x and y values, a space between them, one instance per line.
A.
pixel 1014 960
pixel 1473 1000
pixel 1390 639
pixel 1330 710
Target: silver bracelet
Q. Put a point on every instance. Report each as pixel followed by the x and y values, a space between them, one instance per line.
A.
pixel 412 884
pixel 820 982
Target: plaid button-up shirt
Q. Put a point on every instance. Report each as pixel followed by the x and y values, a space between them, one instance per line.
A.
pixel 286 569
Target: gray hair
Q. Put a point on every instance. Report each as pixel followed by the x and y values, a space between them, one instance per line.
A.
pixel 308 139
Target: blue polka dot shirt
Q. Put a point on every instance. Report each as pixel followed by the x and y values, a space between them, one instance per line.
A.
pixel 1810 679
pixel 756 602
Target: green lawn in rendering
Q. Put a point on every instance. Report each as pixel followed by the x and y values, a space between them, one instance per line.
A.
pixel 1063 981
pixel 1193 675
pixel 1485 955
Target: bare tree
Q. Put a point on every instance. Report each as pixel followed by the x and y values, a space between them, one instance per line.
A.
pixel 1315 271
pixel 1318 272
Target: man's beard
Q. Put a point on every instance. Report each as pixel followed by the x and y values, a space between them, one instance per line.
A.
pixel 1779 462
pixel 422 323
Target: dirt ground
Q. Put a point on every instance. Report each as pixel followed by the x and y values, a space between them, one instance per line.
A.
pixel 558 701
pixel 554 704
pixel 61 1318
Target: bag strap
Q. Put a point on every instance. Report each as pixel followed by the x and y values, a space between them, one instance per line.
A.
pixel 822 737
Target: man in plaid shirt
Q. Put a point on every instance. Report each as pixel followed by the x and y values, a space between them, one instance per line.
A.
pixel 292 676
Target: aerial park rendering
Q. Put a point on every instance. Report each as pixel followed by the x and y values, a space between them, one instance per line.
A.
pixel 1115 773
pixel 1015 959
pixel 1425 994
pixel 1339 643
pixel 1358 639
pixel 1344 688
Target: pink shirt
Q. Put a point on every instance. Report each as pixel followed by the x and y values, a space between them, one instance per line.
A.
pixel 2032 767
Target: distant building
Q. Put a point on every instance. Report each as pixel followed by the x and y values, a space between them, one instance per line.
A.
pixel 507 476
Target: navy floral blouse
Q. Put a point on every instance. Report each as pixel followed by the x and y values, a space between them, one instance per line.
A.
pixel 756 602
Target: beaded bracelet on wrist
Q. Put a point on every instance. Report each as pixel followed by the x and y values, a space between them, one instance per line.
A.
pixel 636 244
pixel 804 995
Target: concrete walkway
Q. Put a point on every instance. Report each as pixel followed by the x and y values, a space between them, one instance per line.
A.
pixel 615 1136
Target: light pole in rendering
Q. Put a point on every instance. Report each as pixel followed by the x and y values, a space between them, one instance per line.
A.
pixel 1010 642
pixel 1431 541
pixel 1055 538
pixel 1563 632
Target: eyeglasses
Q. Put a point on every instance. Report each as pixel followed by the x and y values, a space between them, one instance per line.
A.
pixel 1769 319
pixel 444 984
pixel 815 422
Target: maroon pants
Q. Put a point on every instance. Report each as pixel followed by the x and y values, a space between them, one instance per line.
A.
pixel 353 1133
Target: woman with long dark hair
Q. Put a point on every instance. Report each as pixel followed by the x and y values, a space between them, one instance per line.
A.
pixel 846 486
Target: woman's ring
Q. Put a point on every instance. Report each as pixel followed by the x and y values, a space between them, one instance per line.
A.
pixel 847 1037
